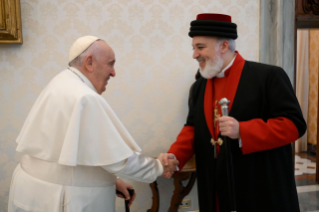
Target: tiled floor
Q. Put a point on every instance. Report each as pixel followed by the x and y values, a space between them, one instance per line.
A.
pixel 304 165
pixel 308 189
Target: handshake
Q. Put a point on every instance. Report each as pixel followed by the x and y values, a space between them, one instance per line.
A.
pixel 169 163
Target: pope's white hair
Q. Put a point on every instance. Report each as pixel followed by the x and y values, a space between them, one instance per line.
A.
pixel 94 49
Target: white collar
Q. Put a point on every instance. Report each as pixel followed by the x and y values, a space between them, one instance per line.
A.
pixel 222 73
pixel 82 77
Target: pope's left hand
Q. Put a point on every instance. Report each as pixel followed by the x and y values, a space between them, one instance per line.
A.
pixel 228 126
pixel 122 187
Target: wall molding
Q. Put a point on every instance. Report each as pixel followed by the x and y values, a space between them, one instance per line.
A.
pixel 10 21
pixel 311 6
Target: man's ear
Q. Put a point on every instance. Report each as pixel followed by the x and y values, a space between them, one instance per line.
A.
pixel 88 63
pixel 224 46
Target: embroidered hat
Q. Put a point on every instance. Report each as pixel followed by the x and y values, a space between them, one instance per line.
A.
pixel 211 24
pixel 80 45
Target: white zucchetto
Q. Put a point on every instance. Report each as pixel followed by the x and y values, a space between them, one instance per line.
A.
pixel 80 45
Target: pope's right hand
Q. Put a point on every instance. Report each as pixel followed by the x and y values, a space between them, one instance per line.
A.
pixel 169 164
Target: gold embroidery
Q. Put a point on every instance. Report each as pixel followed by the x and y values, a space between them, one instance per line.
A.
pixel 216 115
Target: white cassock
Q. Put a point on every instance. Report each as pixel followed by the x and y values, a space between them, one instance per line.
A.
pixel 74 148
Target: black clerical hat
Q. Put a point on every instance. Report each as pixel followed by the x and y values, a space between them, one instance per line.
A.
pixel 216 25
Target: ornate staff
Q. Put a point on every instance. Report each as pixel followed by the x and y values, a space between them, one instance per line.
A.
pixel 229 159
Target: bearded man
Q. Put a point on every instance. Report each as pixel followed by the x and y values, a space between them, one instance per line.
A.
pixel 264 119
pixel 74 146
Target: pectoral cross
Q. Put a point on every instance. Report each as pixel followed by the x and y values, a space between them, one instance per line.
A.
pixel 213 142
pixel 219 141
pixel 216 115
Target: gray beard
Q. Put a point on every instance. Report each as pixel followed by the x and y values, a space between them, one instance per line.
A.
pixel 212 68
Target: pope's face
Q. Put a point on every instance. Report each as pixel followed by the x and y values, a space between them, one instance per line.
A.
pixel 103 66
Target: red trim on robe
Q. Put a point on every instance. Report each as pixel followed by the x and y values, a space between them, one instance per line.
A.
pixel 256 135
pixel 183 147
pixel 209 106
pixel 232 76
pixel 219 88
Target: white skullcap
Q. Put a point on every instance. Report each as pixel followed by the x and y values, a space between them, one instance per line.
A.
pixel 80 45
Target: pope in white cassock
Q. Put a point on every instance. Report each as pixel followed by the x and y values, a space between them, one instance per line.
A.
pixel 73 143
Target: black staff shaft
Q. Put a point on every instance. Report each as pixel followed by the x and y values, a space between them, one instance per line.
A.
pixel 229 160
pixel 230 174
pixel 131 192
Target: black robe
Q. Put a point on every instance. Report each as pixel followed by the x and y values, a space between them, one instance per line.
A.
pixel 264 180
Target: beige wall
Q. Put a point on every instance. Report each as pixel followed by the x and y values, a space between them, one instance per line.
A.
pixel 154 68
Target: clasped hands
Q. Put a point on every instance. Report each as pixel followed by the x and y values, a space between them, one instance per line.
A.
pixel 228 126
pixel 169 164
